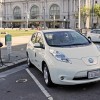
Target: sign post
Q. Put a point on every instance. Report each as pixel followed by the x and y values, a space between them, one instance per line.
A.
pixel 8 42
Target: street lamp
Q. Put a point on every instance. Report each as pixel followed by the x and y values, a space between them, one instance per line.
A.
pixel 44 22
pixel 79 17
pixel 1 14
pixel 92 12
pixel 27 13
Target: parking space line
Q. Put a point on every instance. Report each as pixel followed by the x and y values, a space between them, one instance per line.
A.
pixel 39 85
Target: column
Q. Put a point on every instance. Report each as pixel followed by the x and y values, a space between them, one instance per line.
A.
pixel 88 18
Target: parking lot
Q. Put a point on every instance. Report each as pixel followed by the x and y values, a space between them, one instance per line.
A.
pixel 13 88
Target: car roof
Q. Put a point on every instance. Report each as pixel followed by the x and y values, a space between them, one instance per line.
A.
pixel 95 29
pixel 56 30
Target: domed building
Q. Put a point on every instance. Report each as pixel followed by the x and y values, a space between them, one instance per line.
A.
pixel 35 13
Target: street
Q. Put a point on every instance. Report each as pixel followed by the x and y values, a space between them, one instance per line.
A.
pixel 22 83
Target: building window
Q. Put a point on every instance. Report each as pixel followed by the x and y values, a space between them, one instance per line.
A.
pixel 17 13
pixel 54 11
pixel 34 12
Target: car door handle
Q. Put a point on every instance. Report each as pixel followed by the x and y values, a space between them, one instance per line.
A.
pixel 35 54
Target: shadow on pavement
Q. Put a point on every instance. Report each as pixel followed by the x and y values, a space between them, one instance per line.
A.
pixel 18 53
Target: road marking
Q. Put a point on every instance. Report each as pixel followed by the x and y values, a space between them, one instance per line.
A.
pixel 40 86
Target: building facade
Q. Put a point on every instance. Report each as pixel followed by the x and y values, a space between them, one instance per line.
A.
pixel 35 13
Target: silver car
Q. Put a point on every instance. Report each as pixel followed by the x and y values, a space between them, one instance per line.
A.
pixel 94 35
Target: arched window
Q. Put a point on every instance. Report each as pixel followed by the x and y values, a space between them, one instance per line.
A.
pixel 17 13
pixel 34 12
pixel 54 11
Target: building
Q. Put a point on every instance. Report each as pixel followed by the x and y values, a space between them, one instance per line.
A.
pixel 50 13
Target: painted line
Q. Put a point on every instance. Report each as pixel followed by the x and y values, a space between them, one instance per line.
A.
pixel 40 86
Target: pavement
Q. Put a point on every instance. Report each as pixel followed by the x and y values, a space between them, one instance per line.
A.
pixel 17 55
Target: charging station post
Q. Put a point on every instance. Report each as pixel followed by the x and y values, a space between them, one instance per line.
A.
pixel 8 42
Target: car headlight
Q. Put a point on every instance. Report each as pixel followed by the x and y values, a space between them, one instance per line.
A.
pixel 98 47
pixel 60 56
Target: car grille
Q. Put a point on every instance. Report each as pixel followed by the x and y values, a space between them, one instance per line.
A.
pixel 80 78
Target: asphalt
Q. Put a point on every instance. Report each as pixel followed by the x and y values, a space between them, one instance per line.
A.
pixel 17 55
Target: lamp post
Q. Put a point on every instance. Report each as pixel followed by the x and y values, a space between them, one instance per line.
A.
pixel 27 14
pixel 92 12
pixel 1 14
pixel 79 17
pixel 44 18
pixel 54 18
pixel 43 3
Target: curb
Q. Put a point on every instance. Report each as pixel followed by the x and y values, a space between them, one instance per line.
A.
pixel 13 65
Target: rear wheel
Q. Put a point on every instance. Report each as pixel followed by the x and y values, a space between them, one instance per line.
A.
pixel 47 77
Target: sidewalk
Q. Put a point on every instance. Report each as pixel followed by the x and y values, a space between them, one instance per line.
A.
pixel 18 54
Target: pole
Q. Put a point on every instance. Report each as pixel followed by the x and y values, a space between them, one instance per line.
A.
pixel 44 5
pixel 27 13
pixel 27 19
pixel 88 18
pixel 44 17
pixel 79 17
pixel 54 20
pixel 1 14
pixel 92 12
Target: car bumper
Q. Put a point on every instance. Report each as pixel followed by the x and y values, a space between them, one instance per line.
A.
pixel 71 74
pixel 76 82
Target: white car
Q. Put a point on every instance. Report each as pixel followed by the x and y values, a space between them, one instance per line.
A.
pixel 64 56
pixel 94 35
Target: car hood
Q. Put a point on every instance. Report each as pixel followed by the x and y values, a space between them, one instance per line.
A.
pixel 78 51
pixel 88 54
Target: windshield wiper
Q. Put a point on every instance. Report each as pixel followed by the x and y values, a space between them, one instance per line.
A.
pixel 79 44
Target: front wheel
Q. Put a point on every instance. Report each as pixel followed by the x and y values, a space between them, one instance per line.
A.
pixel 29 62
pixel 47 77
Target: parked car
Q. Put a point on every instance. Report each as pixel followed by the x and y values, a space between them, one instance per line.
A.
pixel 64 56
pixel 94 35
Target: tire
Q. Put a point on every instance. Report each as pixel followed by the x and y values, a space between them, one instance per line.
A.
pixel 46 76
pixel 29 62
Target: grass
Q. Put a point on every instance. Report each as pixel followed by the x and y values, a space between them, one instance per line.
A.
pixel 16 32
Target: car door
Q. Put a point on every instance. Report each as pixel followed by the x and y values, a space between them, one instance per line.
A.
pixel 39 52
pixel 93 35
pixel 98 35
pixel 31 49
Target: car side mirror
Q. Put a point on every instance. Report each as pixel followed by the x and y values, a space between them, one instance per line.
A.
pixel 38 45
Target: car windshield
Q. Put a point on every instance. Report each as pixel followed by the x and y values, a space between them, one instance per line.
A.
pixel 65 38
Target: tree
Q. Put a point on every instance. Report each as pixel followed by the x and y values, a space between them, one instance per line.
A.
pixel 97 11
pixel 85 12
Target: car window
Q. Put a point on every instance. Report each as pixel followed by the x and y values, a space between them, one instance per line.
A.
pixel 39 39
pixel 98 31
pixel 33 38
pixel 65 38
pixel 93 31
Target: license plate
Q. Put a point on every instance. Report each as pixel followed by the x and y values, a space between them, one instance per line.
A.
pixel 94 74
